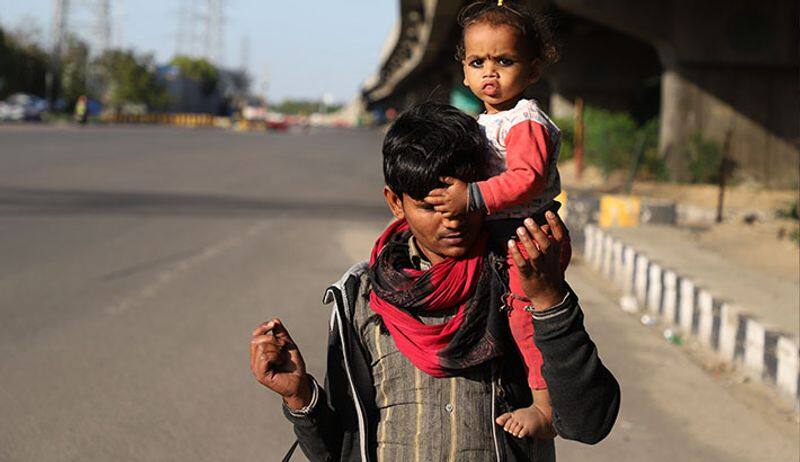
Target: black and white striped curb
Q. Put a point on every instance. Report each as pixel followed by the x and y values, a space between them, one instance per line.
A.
pixel 762 351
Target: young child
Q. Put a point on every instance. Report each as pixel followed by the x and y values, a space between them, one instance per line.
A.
pixel 503 50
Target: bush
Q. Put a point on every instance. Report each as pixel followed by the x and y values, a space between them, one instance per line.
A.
pixel 789 212
pixel 610 142
pixel 567 127
pixel 703 158
pixel 652 166
pixel 610 139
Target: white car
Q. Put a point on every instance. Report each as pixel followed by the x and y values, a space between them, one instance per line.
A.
pixel 22 106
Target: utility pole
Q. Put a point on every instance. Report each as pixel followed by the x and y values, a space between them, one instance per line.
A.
pixel 186 36
pixel 103 26
pixel 244 58
pixel 58 35
pixel 214 22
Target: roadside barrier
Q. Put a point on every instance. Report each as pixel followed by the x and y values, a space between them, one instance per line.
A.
pixel 627 211
pixel 180 119
pixel 762 351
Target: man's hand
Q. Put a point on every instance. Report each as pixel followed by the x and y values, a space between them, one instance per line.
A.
pixel 540 270
pixel 278 365
pixel 450 201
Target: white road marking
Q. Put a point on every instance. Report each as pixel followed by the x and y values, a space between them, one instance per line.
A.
pixel 166 276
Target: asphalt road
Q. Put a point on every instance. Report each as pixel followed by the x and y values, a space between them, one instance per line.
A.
pixel 134 262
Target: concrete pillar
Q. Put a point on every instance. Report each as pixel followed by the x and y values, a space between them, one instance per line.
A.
pixel 705 325
pixel 588 243
pixel 670 303
pixel 617 264
pixel 728 329
pixel 599 249
pixel 628 269
pixel 788 376
pixel 755 336
pixel 640 278
pixel 655 291
pixel 715 101
pixel 608 254
pixel 561 107
pixel 687 305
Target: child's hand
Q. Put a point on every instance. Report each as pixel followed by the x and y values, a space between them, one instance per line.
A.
pixel 450 201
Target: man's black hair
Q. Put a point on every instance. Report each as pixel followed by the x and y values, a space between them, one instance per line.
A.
pixel 429 141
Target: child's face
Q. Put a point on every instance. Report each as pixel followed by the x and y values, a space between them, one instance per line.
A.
pixel 497 67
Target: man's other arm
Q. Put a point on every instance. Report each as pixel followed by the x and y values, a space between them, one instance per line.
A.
pixel 584 394
pixel 276 363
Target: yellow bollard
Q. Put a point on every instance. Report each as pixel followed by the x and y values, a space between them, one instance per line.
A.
pixel 618 210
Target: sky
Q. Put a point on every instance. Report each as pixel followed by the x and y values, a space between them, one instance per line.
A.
pixel 297 49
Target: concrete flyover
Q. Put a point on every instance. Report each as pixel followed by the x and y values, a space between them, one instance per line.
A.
pixel 720 68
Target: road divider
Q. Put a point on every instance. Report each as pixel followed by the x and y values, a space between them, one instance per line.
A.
pixel 180 119
pixel 760 350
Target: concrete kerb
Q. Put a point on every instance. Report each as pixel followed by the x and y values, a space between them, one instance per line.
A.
pixel 788 370
pixel 670 300
pixel 688 316
pixel 640 283
pixel 762 352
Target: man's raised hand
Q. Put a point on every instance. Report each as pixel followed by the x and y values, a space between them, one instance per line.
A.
pixel 540 269
pixel 278 365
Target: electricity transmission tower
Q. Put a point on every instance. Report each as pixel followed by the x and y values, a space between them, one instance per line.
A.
pixel 100 34
pixel 58 35
pixel 103 25
pixel 201 30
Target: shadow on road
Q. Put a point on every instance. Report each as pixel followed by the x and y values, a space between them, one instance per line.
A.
pixel 17 202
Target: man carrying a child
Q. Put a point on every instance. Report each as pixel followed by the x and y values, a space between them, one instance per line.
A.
pixel 420 362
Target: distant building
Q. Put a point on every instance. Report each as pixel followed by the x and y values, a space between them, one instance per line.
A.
pixel 187 95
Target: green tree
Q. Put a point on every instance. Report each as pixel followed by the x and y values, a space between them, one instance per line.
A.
pixel 305 107
pixel 74 66
pixel 127 78
pixel 23 66
pixel 199 70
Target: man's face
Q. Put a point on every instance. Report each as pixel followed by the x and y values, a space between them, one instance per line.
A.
pixel 496 67
pixel 437 237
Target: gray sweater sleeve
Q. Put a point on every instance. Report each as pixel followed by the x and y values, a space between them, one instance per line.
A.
pixel 584 394
pixel 317 429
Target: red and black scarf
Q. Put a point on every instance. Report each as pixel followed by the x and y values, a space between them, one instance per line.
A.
pixel 468 287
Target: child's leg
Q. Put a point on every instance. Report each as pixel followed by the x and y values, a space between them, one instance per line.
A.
pixel 519 320
pixel 534 420
pixel 521 325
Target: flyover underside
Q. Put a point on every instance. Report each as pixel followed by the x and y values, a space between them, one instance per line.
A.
pixel 727 70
